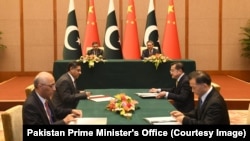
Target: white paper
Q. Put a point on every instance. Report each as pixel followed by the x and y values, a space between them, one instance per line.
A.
pixel 90 121
pixel 147 94
pixel 161 120
pixel 100 99
pixel 94 96
pixel 167 123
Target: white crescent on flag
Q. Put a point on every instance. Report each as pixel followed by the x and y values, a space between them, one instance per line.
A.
pixel 148 31
pixel 68 31
pixel 109 31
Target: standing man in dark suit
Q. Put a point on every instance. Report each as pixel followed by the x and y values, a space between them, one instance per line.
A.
pixel 181 93
pixel 95 50
pixel 67 94
pixel 212 108
pixel 150 50
pixel 35 110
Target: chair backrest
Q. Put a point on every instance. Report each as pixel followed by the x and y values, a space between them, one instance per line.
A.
pixel 248 115
pixel 12 123
pixel 29 89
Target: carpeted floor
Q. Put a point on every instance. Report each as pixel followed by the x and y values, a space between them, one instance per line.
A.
pixel 231 87
pixel 13 89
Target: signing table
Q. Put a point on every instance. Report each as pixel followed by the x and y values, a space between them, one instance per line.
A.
pixel 149 107
pixel 123 74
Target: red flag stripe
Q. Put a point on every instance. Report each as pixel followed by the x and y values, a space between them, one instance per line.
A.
pixel 131 48
pixel 91 33
pixel 170 45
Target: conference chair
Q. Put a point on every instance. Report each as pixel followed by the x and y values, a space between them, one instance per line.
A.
pixel 248 115
pixel 29 89
pixel 216 86
pixel 12 123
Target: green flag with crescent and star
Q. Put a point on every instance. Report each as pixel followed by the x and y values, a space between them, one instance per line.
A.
pixel 151 30
pixel 72 45
pixel 112 44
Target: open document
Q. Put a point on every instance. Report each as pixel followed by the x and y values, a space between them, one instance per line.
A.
pixel 90 121
pixel 168 120
pixel 100 98
pixel 147 95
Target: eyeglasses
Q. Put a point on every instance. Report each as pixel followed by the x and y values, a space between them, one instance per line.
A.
pixel 49 85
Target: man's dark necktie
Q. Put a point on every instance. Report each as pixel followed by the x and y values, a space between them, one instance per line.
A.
pixel 200 102
pixel 48 111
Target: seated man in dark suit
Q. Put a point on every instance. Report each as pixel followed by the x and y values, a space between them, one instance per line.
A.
pixel 67 95
pixel 150 50
pixel 95 50
pixel 181 93
pixel 211 109
pixel 38 108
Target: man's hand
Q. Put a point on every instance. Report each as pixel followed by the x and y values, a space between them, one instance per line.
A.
pixel 88 93
pixel 77 113
pixel 69 118
pixel 177 115
pixel 153 90
pixel 161 94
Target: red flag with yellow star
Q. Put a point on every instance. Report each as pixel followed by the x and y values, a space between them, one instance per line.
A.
pixel 170 47
pixel 91 33
pixel 130 47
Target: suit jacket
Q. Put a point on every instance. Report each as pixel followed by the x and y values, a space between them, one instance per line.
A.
pixel 67 95
pixel 145 53
pixel 213 111
pixel 182 95
pixel 97 52
pixel 35 114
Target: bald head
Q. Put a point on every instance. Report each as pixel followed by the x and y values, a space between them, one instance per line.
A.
pixel 44 84
pixel 43 77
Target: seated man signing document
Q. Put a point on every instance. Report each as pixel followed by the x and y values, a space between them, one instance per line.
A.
pixel 181 94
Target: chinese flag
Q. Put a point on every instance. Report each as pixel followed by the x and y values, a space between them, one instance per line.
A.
pixel 170 47
pixel 130 47
pixel 91 33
